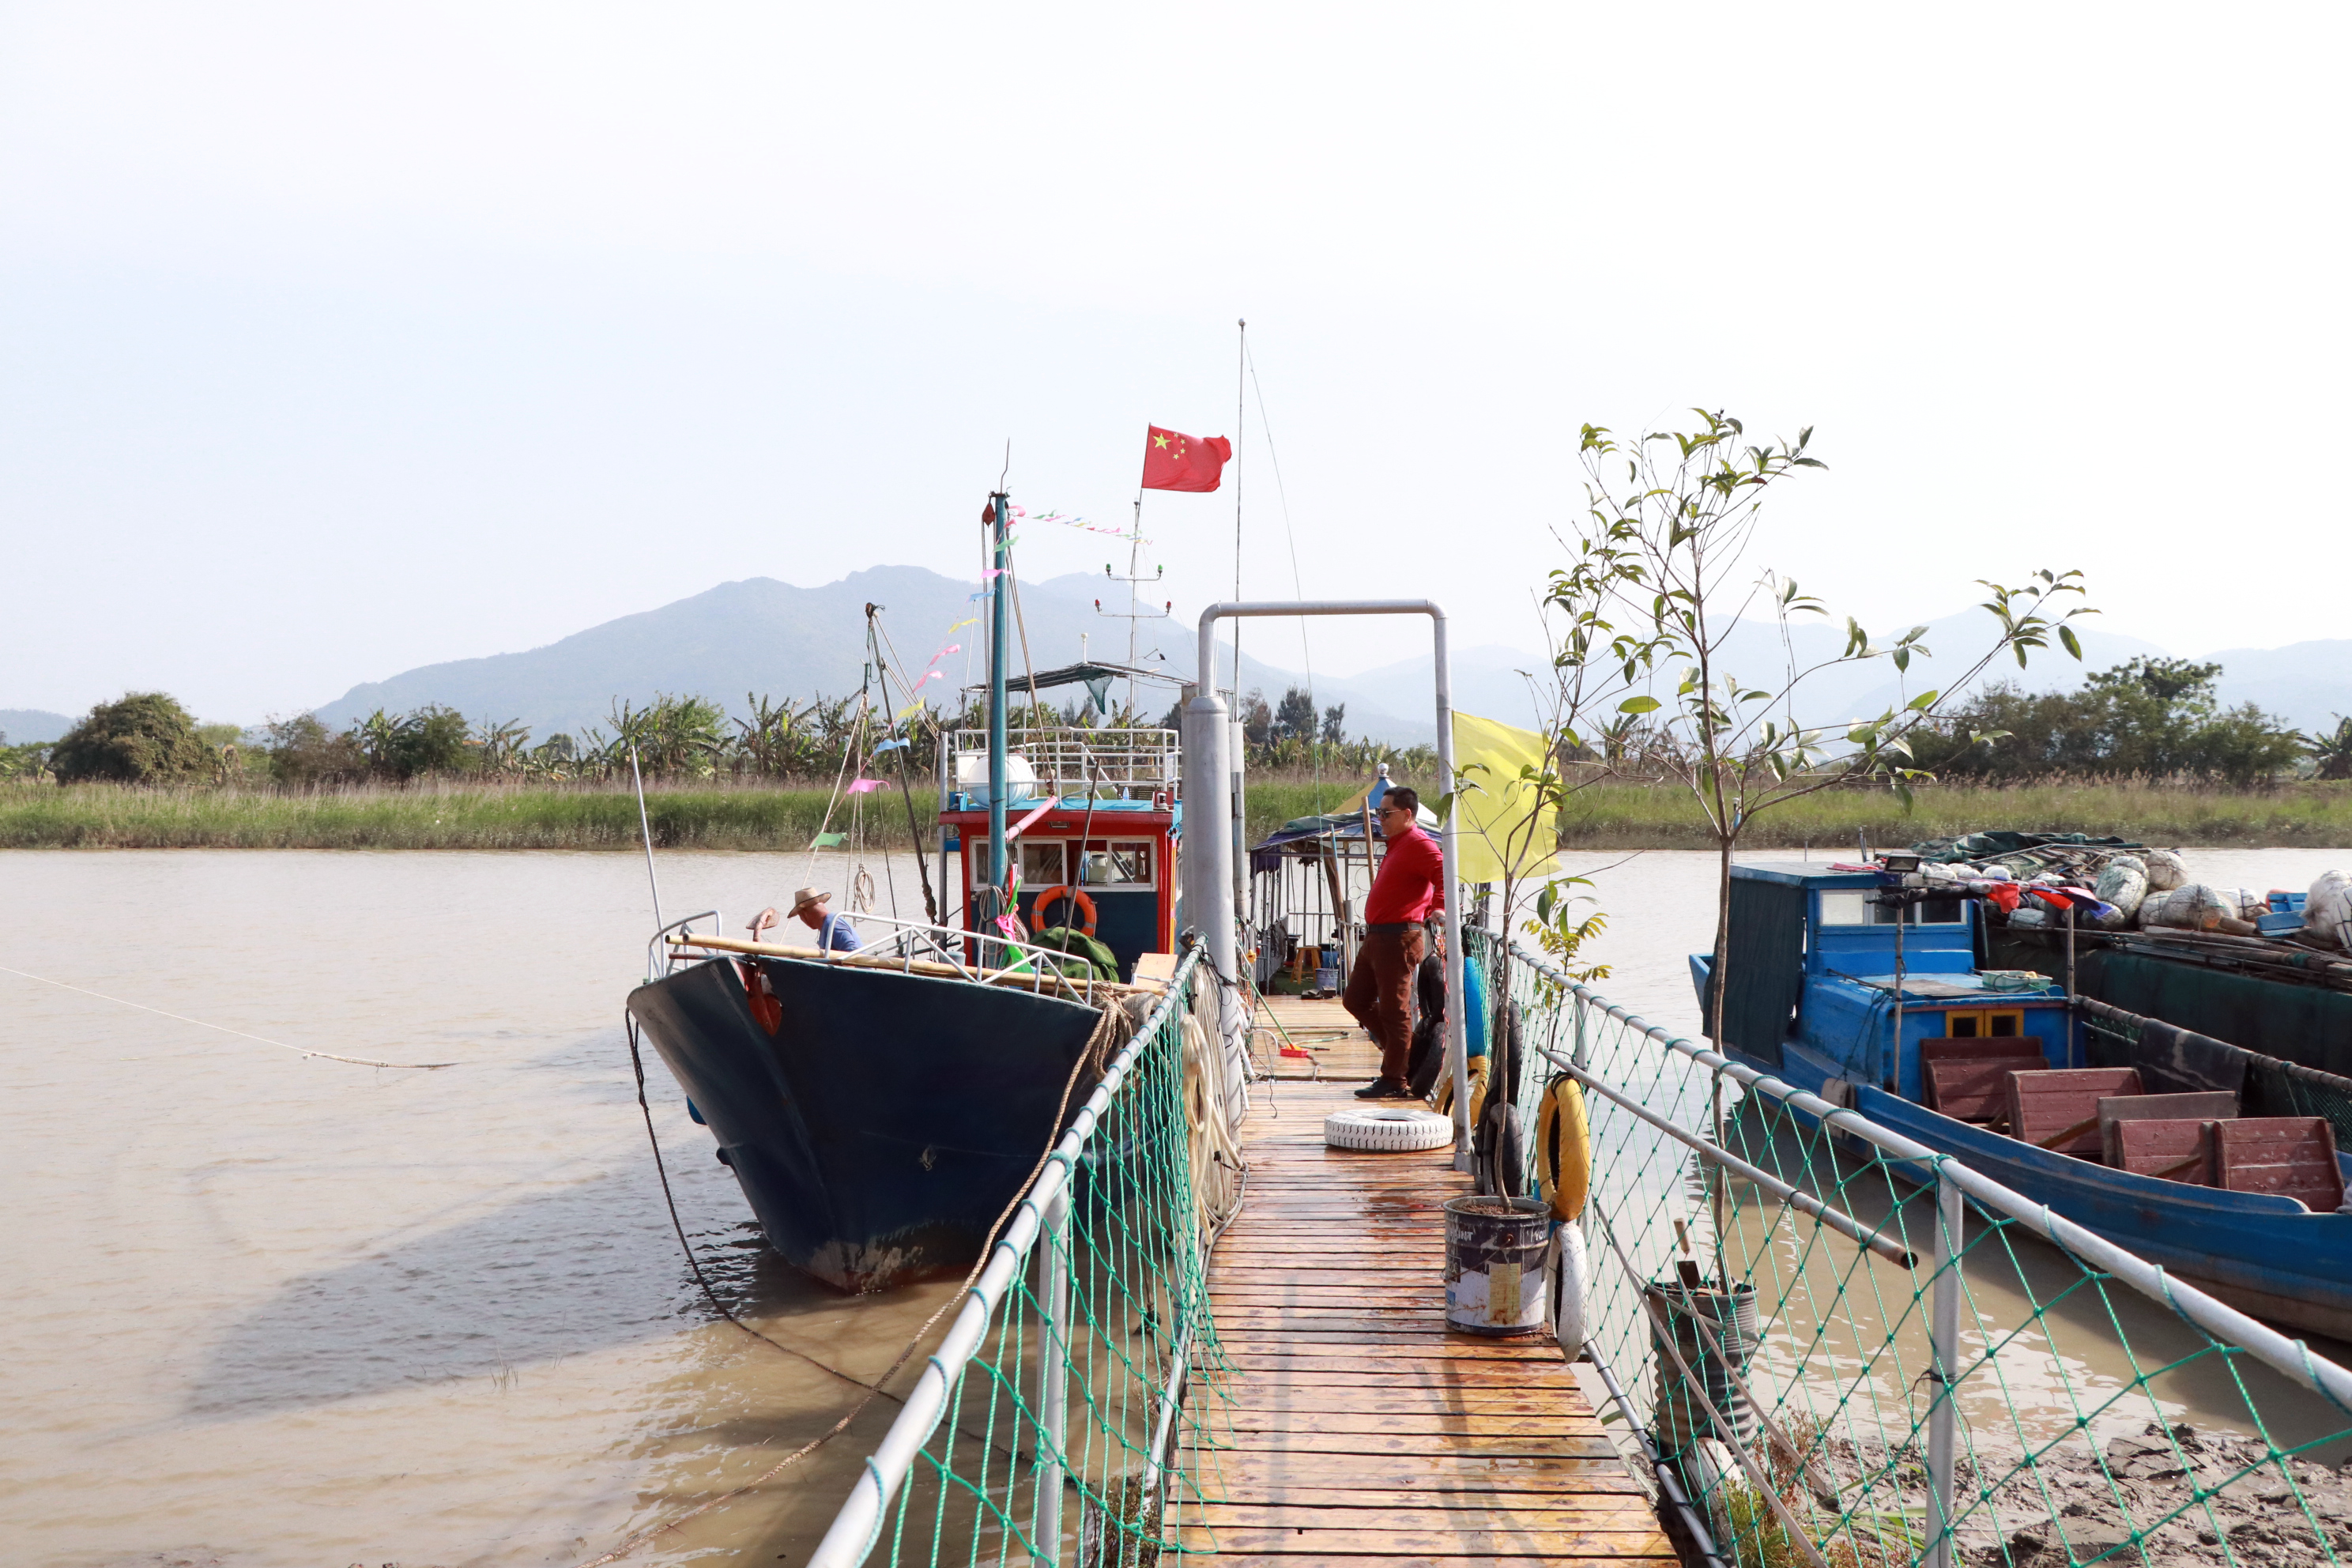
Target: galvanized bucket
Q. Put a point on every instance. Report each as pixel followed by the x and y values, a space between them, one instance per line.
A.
pixel 1495 1253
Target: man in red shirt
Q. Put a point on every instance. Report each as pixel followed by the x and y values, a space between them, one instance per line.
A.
pixel 1410 886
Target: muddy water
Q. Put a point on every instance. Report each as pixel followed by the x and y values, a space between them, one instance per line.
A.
pixel 259 1310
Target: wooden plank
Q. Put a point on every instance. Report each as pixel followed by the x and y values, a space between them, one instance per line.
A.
pixel 1333 1401
pixel 2058 1109
pixel 1423 1510
pixel 1550 1472
pixel 1295 1438
pixel 2174 1150
pixel 1426 1422
pixel 1451 1348
pixel 1367 1480
pixel 1459 1541
pixel 1479 1378
pixel 1660 1553
pixel 2293 1156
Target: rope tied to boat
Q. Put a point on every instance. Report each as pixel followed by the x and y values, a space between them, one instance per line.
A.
pixel 1112 1029
pixel 223 1028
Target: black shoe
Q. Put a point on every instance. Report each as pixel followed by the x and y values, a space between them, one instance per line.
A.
pixel 1382 1089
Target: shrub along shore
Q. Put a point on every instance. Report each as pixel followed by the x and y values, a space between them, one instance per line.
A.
pixel 719 816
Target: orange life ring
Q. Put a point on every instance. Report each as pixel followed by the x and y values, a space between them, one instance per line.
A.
pixel 1078 900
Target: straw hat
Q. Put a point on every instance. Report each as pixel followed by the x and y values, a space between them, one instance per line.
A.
pixel 806 897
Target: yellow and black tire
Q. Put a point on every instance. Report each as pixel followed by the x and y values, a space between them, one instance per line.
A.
pixel 1563 1149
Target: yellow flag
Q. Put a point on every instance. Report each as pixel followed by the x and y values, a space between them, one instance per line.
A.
pixel 1492 806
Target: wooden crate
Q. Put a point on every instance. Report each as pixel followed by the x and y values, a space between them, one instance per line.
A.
pixel 2202 1106
pixel 2059 1109
pixel 2176 1148
pixel 1968 1078
pixel 2293 1156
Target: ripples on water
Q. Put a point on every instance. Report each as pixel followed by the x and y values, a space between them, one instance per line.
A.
pixel 266 1311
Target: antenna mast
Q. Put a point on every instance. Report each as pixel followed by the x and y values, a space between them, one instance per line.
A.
pixel 1134 615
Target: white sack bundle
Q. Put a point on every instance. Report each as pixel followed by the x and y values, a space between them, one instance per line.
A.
pixel 2123 882
pixel 2327 909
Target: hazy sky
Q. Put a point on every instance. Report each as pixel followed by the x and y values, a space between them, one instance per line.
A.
pixel 336 340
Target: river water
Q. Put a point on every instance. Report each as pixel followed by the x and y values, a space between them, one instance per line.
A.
pixel 261 1309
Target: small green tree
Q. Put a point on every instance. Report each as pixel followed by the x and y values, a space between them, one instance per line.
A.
pixel 433 740
pixel 2332 749
pixel 1657 584
pixel 305 754
pixel 144 737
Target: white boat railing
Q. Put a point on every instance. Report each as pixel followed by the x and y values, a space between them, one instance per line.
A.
pixel 977 956
pixel 1067 759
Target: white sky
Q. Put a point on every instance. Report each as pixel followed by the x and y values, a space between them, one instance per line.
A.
pixel 336 340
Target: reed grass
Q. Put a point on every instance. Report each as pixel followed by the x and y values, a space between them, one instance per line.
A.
pixel 449 816
pixel 751 816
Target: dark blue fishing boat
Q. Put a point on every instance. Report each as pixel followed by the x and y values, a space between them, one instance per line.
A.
pixel 1875 999
pixel 881 1107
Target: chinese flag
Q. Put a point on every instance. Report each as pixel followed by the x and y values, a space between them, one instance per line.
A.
pixel 1174 462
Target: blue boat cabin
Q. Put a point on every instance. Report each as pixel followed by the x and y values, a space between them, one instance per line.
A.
pixel 1812 970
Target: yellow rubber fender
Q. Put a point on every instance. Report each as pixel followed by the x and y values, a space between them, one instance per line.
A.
pixel 1444 1099
pixel 1564 1150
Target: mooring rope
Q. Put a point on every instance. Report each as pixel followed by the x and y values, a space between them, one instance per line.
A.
pixel 1097 1052
pixel 223 1028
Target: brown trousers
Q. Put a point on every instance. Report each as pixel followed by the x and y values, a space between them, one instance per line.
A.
pixel 1379 993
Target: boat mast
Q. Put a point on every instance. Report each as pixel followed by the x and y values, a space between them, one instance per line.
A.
pixel 999 521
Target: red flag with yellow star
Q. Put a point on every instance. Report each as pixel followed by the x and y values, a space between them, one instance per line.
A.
pixel 1176 462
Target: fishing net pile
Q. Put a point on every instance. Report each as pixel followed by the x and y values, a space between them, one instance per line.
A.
pixel 2117 885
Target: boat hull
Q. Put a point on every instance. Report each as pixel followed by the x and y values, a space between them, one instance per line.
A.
pixel 883 1125
pixel 2264 1254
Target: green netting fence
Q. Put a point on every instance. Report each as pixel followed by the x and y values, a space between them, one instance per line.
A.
pixel 1846 1350
pixel 1044 1427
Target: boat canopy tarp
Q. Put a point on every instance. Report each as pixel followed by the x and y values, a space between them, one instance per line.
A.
pixel 1767 967
pixel 2001 843
pixel 2311 1025
pixel 1292 836
pixel 1087 674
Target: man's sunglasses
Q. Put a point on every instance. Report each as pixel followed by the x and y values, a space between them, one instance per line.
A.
pixel 1394 810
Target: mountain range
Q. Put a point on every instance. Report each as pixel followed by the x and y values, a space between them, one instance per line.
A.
pixel 764 636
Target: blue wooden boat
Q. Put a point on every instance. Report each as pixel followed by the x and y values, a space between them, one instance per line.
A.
pixel 1814 999
pixel 881 1109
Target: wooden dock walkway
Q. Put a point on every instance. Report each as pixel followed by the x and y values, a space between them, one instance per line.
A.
pixel 1353 1427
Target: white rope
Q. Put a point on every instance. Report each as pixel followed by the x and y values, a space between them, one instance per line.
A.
pixel 240 1034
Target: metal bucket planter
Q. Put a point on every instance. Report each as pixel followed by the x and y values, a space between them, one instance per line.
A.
pixel 1681 1419
pixel 1494 1252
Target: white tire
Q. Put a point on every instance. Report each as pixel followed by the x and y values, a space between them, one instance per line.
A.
pixel 1388 1130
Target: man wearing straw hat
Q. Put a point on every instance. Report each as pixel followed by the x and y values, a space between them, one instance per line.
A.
pixel 834 932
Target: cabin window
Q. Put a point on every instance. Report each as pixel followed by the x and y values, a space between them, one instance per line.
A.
pixel 1856 907
pixel 1117 863
pixel 1041 864
pixel 1984 1023
pixel 1845 909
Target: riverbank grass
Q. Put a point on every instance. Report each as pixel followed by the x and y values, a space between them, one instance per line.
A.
pixel 769 817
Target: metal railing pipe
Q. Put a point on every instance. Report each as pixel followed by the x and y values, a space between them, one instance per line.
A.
pixel 1804 1202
